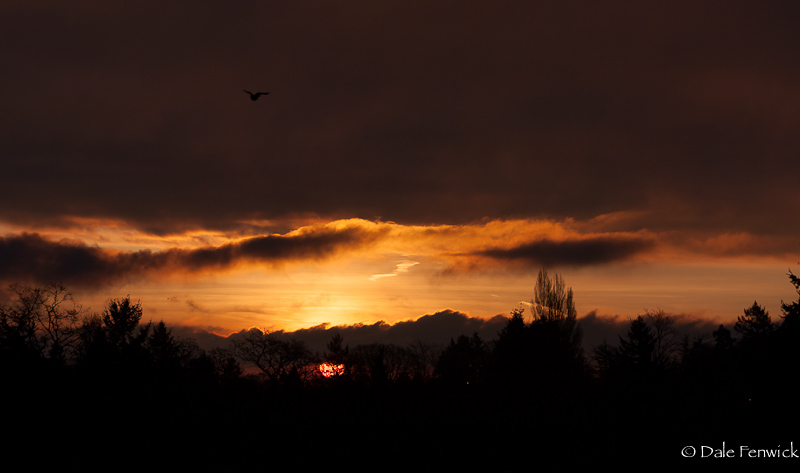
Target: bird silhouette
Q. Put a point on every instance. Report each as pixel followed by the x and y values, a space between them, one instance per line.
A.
pixel 255 96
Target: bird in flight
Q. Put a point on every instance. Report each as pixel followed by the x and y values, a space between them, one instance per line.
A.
pixel 255 96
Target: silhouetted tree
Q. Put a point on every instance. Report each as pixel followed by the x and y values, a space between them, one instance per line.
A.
pixel 605 359
pixel 42 321
pixel 337 353
pixel 637 347
pixel 18 337
pixel 463 361
pixel 652 344
pixel 552 301
pixel 694 351
pixel 113 343
pixel 667 338
pixel 171 355
pixel 754 323
pixel 542 364
pixel 380 364
pixel 759 359
pixel 722 338
pixel 121 318
pixel 94 345
pixel 514 330
pixel 225 364
pixel 791 311
pixel 510 352
pixel 542 361
pixel 555 320
pixel 422 358
pixel 278 359
pixel 162 344
pixel 785 346
pixel 339 367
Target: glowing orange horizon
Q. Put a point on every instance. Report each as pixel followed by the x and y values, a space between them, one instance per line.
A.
pixel 407 271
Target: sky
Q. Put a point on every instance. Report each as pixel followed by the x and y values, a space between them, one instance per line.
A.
pixel 412 158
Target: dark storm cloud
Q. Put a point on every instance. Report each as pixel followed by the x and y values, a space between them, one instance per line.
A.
pixel 583 252
pixel 415 112
pixel 33 258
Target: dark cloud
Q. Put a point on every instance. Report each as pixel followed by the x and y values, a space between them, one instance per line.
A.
pixel 598 329
pixel 417 112
pixel 436 329
pixel 583 252
pixel 32 258
pixel 207 338
pixel 315 245
pixel 439 328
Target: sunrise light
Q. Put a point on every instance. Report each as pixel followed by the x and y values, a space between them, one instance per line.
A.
pixel 329 370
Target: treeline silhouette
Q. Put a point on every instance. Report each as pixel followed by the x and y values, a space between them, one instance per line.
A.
pixel 107 391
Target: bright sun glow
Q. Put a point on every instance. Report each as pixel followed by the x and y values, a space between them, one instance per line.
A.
pixel 330 370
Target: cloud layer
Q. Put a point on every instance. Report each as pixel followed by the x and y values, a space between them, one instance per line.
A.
pixel 436 329
pixel 33 258
pixel 105 258
pixel 439 328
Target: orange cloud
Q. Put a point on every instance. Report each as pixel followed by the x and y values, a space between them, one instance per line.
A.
pixel 495 244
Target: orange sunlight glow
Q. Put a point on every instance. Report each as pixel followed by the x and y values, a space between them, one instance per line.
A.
pixel 400 272
pixel 329 370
